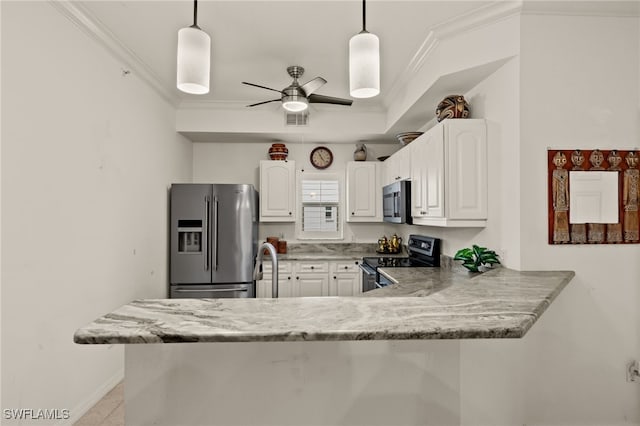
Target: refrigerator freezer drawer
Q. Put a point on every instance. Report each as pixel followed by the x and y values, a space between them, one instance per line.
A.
pixel 216 291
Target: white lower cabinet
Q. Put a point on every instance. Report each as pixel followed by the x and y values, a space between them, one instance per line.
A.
pixel 345 278
pixel 312 285
pixel 312 279
pixel 285 280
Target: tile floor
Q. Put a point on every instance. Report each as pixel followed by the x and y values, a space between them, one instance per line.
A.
pixel 109 411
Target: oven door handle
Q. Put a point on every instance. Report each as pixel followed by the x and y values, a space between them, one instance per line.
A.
pixel 367 269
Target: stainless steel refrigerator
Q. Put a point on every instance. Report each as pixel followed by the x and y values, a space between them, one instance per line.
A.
pixel 214 239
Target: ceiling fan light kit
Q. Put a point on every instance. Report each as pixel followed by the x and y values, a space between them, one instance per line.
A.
pixel 364 62
pixel 295 97
pixel 194 58
pixel 295 103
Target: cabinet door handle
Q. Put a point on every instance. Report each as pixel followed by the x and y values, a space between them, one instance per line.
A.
pixel 313 267
pixel 346 267
pixel 288 278
pixel 352 213
pixel 297 278
pixel 334 277
pixel 289 213
pixel 356 262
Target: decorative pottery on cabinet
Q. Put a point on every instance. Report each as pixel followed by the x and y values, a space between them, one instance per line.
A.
pixel 360 154
pixel 453 106
pixel 278 151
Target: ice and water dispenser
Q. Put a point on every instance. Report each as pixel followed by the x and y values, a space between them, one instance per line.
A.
pixel 190 236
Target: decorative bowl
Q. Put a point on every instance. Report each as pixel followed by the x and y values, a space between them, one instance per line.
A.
pixel 384 157
pixel 407 137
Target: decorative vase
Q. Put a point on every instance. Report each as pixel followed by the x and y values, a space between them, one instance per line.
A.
pixel 360 154
pixel 453 106
pixel 278 151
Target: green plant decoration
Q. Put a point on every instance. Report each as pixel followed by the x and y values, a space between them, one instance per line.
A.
pixel 473 258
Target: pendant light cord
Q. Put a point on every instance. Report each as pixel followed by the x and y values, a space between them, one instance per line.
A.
pixel 195 14
pixel 364 16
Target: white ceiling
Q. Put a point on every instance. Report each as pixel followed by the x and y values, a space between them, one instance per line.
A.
pixel 255 41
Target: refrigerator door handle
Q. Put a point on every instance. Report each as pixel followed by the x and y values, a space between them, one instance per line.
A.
pixel 207 203
pixel 211 290
pixel 215 231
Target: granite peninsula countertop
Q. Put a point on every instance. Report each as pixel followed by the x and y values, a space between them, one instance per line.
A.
pixel 425 303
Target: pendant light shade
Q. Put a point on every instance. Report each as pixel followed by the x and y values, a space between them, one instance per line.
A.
pixel 194 56
pixel 364 65
pixel 364 62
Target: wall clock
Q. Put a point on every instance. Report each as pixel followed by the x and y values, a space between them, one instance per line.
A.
pixel 321 157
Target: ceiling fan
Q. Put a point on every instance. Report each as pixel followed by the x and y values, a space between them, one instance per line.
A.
pixel 296 97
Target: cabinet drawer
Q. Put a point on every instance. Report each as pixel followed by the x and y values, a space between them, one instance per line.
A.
pixel 345 266
pixel 283 267
pixel 314 267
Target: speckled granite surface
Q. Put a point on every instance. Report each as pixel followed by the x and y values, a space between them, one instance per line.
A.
pixel 501 303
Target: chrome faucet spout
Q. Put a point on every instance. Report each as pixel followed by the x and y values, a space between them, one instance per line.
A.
pixel 257 273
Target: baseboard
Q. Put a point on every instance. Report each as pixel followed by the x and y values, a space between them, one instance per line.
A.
pixel 80 410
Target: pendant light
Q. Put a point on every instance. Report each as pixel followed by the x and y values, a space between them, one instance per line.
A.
pixel 364 61
pixel 194 55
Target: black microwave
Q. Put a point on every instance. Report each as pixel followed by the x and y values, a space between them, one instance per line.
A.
pixel 396 202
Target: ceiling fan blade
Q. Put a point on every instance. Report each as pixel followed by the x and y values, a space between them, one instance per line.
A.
pixel 312 85
pixel 262 87
pixel 265 102
pixel 321 99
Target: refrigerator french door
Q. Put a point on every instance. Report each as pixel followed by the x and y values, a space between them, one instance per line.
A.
pixel 214 240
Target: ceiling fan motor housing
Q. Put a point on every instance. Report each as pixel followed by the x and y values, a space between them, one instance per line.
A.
pixel 295 71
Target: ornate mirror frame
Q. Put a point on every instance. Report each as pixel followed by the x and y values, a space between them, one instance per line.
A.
pixel 625 163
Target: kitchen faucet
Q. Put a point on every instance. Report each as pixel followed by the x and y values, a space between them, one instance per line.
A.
pixel 257 273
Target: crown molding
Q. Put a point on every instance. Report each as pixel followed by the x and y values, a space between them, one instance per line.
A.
pixel 83 19
pixel 468 21
pixel 614 8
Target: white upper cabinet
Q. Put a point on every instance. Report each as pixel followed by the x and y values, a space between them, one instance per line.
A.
pixel 364 196
pixel 397 167
pixel 277 191
pixel 449 174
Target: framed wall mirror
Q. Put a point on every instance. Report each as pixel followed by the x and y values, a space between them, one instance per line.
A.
pixel 593 196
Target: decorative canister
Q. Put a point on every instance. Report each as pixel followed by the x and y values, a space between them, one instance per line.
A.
pixel 278 151
pixel 453 106
pixel 360 154
pixel 282 247
pixel 274 242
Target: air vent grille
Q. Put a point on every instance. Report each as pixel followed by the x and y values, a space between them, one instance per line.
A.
pixel 296 119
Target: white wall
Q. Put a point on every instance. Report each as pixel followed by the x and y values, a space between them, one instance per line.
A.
pixel 240 162
pixel 88 155
pixel 579 90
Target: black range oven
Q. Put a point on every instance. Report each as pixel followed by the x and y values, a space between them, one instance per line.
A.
pixel 423 252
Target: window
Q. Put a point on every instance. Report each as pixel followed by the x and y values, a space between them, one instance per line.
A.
pixel 320 196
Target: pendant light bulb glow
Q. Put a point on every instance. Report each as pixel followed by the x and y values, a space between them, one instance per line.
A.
pixel 194 58
pixel 364 61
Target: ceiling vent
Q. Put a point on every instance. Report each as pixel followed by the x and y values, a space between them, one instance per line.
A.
pixel 296 118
